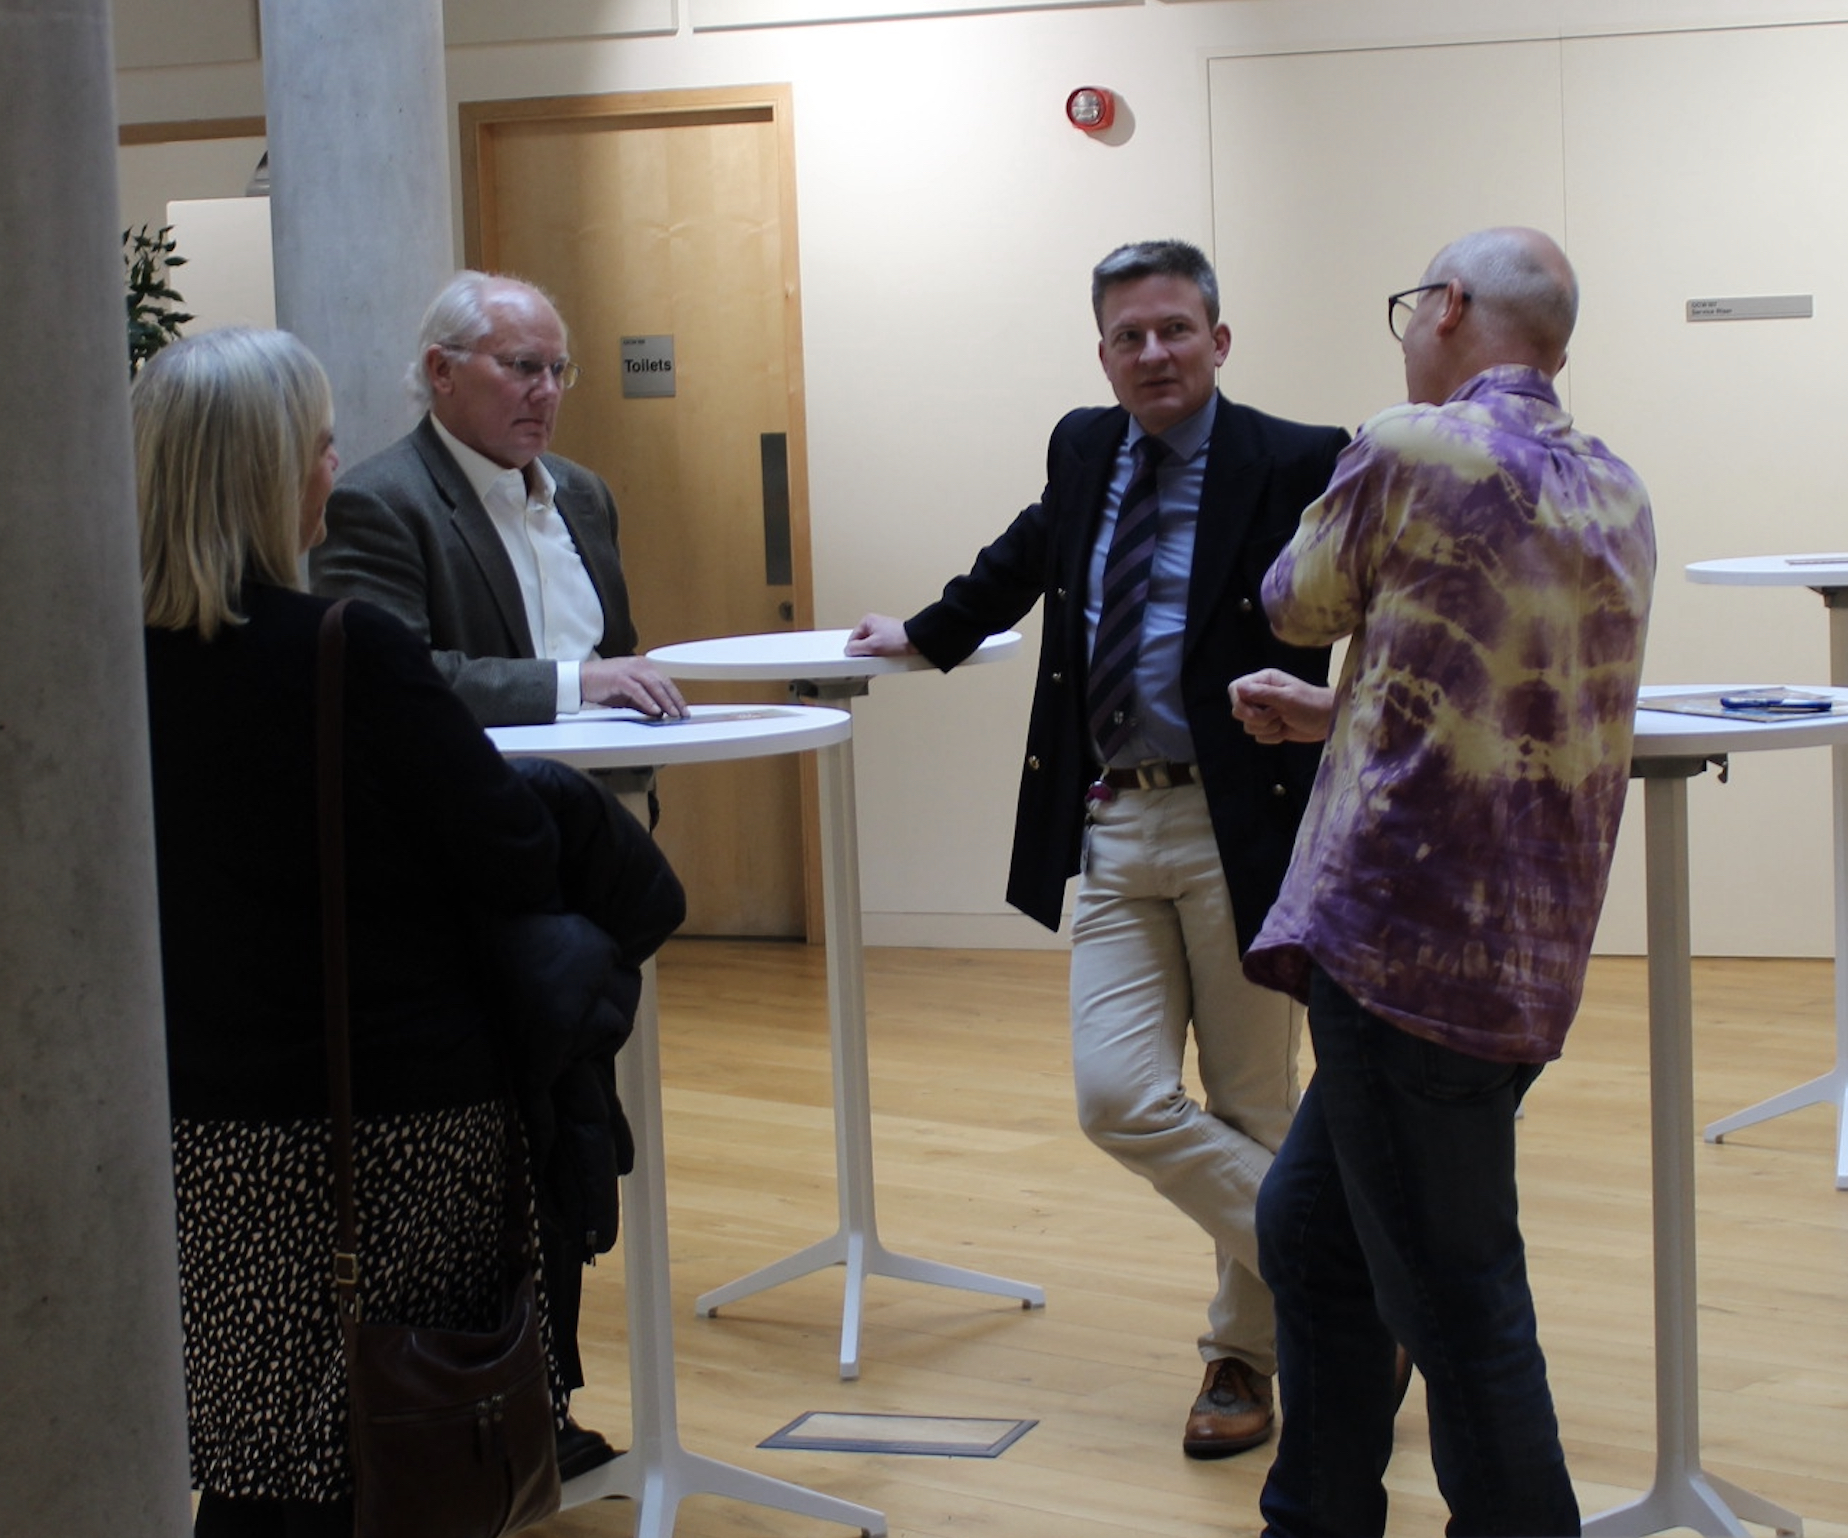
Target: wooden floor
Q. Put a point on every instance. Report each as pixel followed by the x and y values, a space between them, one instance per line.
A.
pixel 980 1163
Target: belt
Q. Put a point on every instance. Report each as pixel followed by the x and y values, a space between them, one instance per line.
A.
pixel 1150 776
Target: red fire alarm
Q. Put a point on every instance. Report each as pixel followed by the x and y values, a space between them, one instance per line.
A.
pixel 1091 108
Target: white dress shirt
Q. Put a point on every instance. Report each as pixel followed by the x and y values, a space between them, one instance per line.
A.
pixel 563 611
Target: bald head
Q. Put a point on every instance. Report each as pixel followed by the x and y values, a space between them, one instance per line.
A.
pixel 1520 279
pixel 1512 297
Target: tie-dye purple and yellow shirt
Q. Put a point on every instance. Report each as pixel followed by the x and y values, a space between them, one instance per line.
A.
pixel 1493 566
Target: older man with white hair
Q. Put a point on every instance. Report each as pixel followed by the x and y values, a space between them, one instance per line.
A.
pixel 502 556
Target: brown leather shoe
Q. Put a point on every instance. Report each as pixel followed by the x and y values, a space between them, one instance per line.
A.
pixel 1232 1413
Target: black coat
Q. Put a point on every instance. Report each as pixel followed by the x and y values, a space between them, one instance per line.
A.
pixel 567 984
pixel 1261 472
pixel 439 831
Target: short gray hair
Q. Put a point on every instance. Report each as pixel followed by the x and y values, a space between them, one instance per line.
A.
pixel 458 318
pixel 1155 259
pixel 1509 271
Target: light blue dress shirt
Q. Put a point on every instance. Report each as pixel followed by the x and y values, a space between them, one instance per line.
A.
pixel 1161 730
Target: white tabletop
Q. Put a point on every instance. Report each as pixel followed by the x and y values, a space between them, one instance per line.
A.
pixel 1668 734
pixel 805 654
pixel 623 739
pixel 1823 570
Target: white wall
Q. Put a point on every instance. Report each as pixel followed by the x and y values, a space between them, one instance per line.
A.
pixel 1676 165
pixel 228 278
pixel 948 219
pixel 150 176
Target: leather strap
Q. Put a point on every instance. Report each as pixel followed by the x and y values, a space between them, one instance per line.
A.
pixel 330 778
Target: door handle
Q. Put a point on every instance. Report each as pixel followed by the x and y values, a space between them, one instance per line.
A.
pixel 773 452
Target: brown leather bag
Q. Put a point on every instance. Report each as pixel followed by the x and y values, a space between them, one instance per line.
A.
pixel 452 1432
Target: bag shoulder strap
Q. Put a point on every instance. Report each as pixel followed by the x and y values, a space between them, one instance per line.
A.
pixel 330 777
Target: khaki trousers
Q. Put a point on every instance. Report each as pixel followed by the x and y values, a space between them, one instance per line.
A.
pixel 1155 951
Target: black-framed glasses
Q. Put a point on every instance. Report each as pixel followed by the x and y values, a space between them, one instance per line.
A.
pixel 1399 306
pixel 564 372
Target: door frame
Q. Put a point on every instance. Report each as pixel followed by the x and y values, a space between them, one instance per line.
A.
pixel 478 121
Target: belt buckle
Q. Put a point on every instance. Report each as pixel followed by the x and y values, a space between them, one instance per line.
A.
pixel 1154 776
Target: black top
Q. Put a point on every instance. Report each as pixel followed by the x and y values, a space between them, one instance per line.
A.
pixel 438 831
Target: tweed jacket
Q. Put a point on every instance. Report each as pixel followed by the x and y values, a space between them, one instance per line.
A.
pixel 406 531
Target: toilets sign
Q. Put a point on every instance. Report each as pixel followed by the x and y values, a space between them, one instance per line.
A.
pixel 647 365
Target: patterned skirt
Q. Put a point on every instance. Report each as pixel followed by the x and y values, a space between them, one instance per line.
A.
pixel 265 1373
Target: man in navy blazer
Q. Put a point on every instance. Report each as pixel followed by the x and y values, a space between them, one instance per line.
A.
pixel 502 556
pixel 504 559
pixel 1136 777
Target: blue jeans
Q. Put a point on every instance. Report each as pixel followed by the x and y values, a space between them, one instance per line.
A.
pixel 1390 1214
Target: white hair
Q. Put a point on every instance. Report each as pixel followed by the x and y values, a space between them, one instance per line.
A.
pixel 458 318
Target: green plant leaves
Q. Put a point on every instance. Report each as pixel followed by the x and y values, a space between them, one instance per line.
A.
pixel 152 323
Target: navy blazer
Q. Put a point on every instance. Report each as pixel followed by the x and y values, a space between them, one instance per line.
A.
pixel 406 531
pixel 1261 472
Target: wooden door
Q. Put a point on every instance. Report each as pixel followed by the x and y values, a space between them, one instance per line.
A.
pixel 672 215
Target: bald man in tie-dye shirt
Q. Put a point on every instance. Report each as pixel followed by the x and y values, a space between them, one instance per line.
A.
pixel 1493 566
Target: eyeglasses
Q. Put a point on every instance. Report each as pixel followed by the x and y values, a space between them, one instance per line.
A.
pixel 1399 306
pixel 564 372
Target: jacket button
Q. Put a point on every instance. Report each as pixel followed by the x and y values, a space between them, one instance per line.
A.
pixel 1033 761
pixel 1058 678
pixel 1279 790
pixel 1244 606
pixel 1059 593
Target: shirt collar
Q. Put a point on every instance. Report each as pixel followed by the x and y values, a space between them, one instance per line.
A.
pixel 1184 439
pixel 482 473
pixel 1508 379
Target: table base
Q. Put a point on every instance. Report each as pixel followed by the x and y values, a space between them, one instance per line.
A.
pixel 1702 1502
pixel 657 1473
pixel 661 1478
pixel 1830 1089
pixel 855 1244
pixel 1683 1494
pixel 859 1249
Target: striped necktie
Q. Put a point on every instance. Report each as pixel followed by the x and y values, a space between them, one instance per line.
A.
pixel 1125 597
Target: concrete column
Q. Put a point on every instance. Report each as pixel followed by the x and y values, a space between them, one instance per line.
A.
pixel 92 1410
pixel 359 194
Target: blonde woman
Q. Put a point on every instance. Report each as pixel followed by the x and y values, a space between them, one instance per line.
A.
pixel 234 460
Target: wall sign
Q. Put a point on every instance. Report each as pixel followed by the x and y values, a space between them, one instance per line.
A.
pixel 1754 307
pixel 647 365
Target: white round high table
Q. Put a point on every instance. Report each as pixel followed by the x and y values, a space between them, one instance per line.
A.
pixel 1828 576
pixel 1670 750
pixel 657 1472
pixel 816 666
